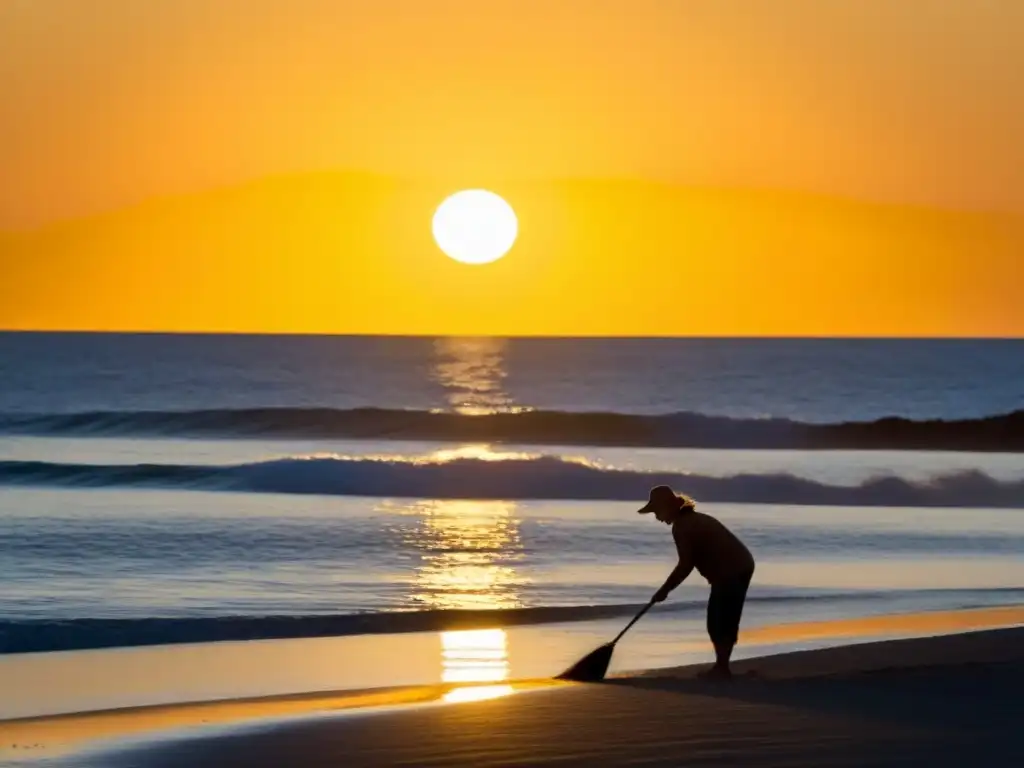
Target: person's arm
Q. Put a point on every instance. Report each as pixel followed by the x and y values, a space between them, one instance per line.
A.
pixel 679 573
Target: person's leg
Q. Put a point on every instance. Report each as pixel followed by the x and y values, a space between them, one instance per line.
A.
pixel 716 631
pixel 732 614
pixel 725 609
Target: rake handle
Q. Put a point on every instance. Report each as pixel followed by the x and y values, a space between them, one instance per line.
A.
pixel 636 618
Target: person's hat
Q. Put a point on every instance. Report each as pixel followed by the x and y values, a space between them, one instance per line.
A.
pixel 663 496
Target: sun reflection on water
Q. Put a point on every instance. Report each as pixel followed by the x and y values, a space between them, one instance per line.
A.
pixel 472 373
pixel 478 452
pixel 468 553
pixel 478 656
pixel 468 558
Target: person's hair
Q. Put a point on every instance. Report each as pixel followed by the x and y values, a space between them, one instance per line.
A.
pixel 685 502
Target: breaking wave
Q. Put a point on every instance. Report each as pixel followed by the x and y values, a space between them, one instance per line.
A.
pixel 514 476
pixel 1003 432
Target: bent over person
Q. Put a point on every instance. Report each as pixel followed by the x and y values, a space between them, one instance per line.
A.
pixel 704 543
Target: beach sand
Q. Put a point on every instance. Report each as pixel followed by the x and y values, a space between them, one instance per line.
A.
pixel 952 700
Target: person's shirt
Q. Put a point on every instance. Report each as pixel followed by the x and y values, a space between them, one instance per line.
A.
pixel 714 550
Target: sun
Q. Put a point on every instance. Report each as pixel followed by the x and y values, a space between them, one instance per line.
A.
pixel 475 226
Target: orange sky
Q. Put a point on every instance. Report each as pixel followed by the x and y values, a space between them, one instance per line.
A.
pixel 110 102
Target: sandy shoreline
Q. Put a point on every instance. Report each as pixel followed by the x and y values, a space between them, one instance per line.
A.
pixel 946 700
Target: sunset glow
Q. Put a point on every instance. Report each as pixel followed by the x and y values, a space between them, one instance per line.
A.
pixel 789 168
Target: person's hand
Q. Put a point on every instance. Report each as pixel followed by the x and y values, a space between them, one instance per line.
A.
pixel 660 595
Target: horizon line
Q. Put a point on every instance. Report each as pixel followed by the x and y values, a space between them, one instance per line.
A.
pixel 553 336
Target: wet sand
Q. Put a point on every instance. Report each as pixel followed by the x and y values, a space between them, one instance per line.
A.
pixel 46 684
pixel 939 701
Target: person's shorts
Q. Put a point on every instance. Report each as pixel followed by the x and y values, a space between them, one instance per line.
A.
pixel 725 609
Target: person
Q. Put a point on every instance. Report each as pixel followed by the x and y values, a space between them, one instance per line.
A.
pixel 704 543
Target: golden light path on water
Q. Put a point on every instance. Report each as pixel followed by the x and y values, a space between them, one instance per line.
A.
pixel 467 554
pixel 469 549
pixel 472 373
pixel 467 560
pixel 478 656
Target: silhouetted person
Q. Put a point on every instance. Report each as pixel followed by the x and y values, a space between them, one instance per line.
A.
pixel 718 555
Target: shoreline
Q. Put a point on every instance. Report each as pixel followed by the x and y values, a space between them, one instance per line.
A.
pixel 394 623
pixel 132 677
pixel 959 648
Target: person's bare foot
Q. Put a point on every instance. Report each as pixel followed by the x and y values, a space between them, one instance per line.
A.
pixel 715 673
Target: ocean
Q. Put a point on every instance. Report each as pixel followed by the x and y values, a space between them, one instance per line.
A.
pixel 162 489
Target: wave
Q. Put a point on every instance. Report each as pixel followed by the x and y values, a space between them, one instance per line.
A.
pixel 515 476
pixel 77 634
pixel 1004 432
pixel 45 635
